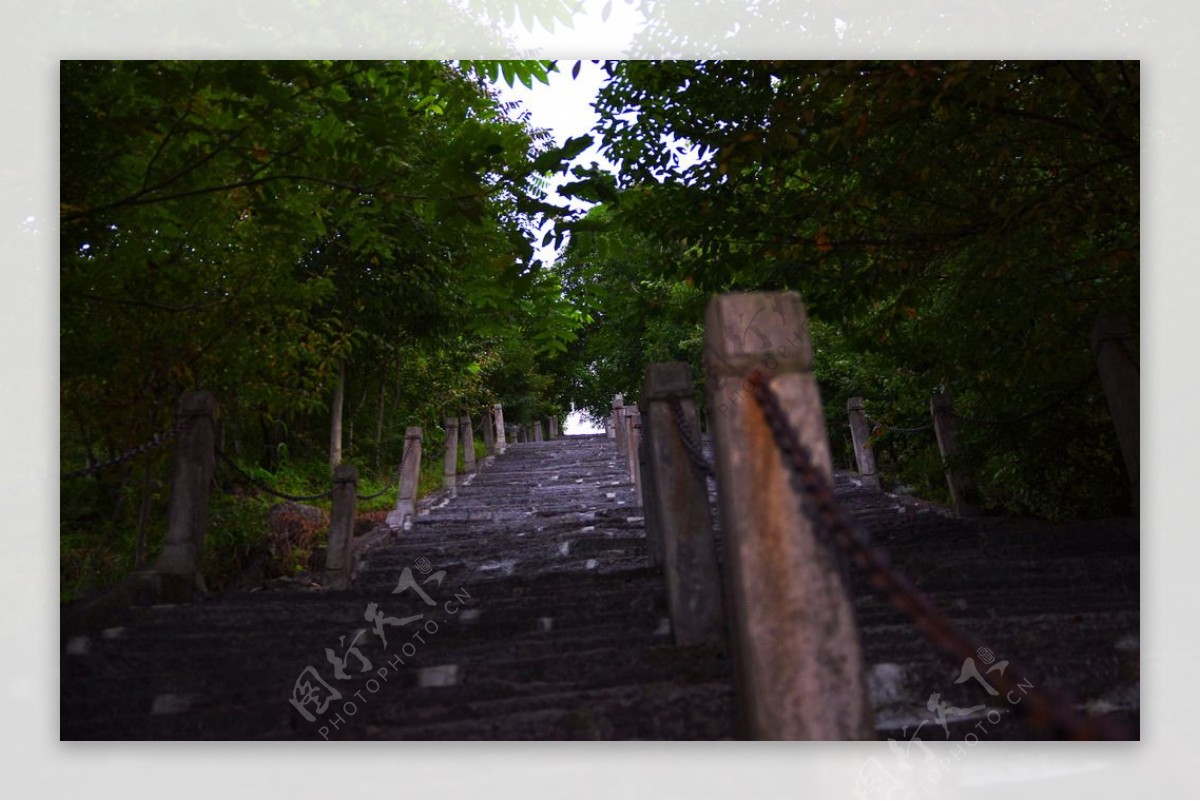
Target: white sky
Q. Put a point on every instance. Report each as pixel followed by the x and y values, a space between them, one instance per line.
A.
pixel 563 107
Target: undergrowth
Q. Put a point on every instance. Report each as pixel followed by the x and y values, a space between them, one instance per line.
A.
pixel 99 521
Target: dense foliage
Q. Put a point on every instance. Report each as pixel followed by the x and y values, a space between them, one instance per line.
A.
pixel 338 250
pixel 284 233
pixel 951 225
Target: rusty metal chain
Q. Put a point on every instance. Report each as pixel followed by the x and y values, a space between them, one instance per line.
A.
pixel 1020 418
pixel 399 474
pixel 845 533
pixel 264 488
pixel 694 451
pixel 897 429
pixel 999 421
pixel 388 488
pixel 154 443
pixel 161 439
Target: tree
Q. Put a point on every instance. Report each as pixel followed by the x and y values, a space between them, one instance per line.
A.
pixel 243 225
pixel 957 224
pixel 271 230
pixel 634 315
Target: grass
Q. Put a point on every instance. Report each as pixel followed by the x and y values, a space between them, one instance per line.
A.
pixel 98 522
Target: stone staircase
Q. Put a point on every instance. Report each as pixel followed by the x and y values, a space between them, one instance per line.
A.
pixel 525 608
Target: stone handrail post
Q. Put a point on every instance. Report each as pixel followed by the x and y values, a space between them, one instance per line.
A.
pixel 633 428
pixel 796 646
pixel 676 500
pixel 498 417
pixel 339 555
pixel 650 492
pixel 488 432
pixel 860 433
pixel 450 465
pixel 177 565
pixel 619 423
pixel 410 474
pixel 945 427
pixel 466 433
pixel 1121 377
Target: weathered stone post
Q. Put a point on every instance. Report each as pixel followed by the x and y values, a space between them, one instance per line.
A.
pixel 945 426
pixel 609 431
pixel 466 433
pixel 187 511
pixel 860 432
pixel 677 500
pixel 410 474
pixel 1121 377
pixel 552 427
pixel 633 425
pixel 650 493
pixel 498 411
pixel 339 555
pixel 489 438
pixel 619 423
pixel 797 652
pixel 537 430
pixel 450 466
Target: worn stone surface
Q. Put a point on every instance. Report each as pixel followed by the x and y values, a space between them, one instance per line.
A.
pixel 860 434
pixel 798 655
pixel 550 624
pixel 676 510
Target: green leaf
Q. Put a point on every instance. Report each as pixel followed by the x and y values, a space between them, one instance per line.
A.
pixel 555 159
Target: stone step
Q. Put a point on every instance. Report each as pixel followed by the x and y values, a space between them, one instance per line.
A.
pixel 560 627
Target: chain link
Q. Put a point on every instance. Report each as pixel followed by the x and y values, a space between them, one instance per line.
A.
pixel 391 485
pixel 264 488
pixel 694 451
pixel 897 429
pixel 842 531
pixel 1020 418
pixel 1000 421
pixel 159 440
pixel 399 475
pixel 155 442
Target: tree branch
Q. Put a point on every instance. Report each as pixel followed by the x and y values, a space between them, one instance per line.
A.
pixel 357 190
pixel 137 199
pixel 147 304
pixel 163 144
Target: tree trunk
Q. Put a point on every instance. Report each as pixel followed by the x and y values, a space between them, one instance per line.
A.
pixel 139 549
pixel 379 420
pixel 86 436
pixel 270 444
pixel 335 425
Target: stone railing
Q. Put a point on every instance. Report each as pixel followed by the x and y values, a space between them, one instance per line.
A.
pixel 786 544
pixel 1119 376
pixel 173 577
